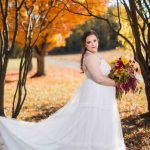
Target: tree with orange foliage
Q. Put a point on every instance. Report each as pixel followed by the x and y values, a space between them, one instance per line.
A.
pixel 21 22
pixel 60 29
pixel 32 24
pixel 54 36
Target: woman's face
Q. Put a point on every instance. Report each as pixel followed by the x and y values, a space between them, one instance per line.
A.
pixel 91 43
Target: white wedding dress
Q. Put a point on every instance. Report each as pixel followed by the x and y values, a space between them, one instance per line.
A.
pixel 89 121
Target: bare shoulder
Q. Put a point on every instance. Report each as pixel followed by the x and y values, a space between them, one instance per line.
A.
pixel 91 57
pixel 88 56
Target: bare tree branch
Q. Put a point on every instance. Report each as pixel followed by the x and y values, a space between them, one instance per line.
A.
pixel 1 49
pixel 23 69
pixel 20 6
pixel 147 5
pixel 144 17
pixel 2 10
pixel 16 27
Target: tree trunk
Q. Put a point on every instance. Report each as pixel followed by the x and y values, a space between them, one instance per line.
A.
pixel 16 113
pixel 30 66
pixel 2 98
pixel 147 91
pixel 40 53
pixel 3 69
pixel 40 65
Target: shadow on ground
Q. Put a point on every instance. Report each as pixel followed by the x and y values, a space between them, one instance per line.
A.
pixel 136 131
pixel 44 113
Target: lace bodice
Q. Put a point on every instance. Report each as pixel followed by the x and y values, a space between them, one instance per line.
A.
pixel 95 67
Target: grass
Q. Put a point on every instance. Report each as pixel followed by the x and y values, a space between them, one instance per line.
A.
pixel 51 92
pixel 13 64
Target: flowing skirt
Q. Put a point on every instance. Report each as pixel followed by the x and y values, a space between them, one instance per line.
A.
pixel 89 121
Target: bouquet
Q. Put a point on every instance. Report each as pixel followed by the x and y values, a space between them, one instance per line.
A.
pixel 123 73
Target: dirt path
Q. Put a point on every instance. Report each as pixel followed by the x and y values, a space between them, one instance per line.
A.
pixel 66 63
pixel 74 64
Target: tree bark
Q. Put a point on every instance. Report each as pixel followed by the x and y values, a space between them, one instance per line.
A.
pixel 147 90
pixel 40 55
pixel 2 98
pixel 30 66
pixel 40 65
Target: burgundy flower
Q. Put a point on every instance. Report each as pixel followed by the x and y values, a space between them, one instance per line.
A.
pixel 119 64
pixel 134 84
pixel 124 75
pixel 126 87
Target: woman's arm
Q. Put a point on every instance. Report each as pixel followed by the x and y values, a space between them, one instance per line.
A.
pixel 93 67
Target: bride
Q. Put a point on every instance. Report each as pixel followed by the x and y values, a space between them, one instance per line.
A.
pixel 89 121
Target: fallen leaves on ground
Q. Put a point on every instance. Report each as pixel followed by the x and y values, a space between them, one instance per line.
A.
pixel 49 93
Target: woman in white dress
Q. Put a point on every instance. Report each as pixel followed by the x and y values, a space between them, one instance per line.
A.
pixel 89 121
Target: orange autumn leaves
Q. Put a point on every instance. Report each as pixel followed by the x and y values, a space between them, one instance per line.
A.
pixel 52 17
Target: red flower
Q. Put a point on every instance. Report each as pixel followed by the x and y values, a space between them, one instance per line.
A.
pixel 119 64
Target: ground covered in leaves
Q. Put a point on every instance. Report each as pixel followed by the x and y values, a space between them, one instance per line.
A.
pixel 49 93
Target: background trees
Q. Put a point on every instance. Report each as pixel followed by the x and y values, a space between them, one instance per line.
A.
pixel 108 39
pixel 137 13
